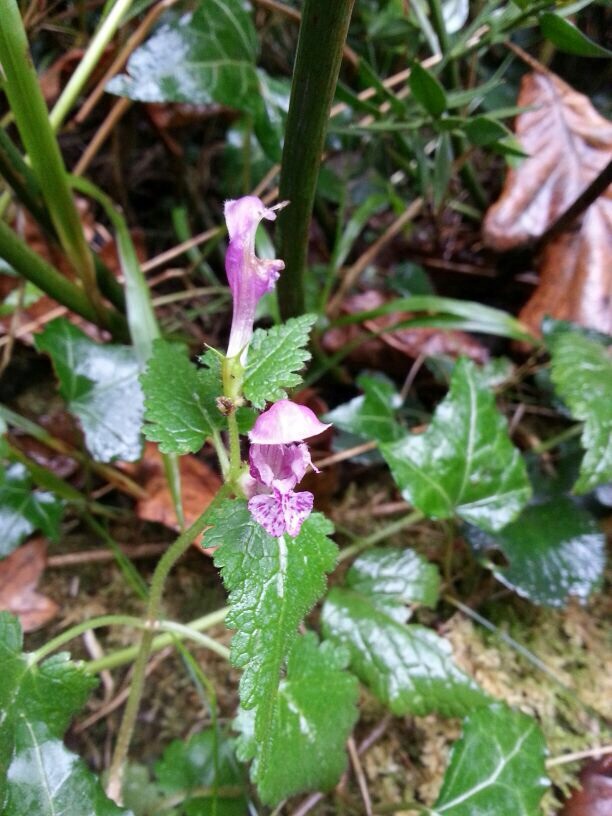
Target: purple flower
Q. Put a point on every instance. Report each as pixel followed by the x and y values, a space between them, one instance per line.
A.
pixel 278 460
pixel 249 277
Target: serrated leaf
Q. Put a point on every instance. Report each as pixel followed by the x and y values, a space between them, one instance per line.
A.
pixel 180 408
pixel 203 57
pixel 38 775
pixel 496 768
pixel 582 375
pixel 315 711
pixel 275 357
pixel 555 549
pixel 392 578
pixel 272 583
pixel 373 415
pixel 100 385
pixel 24 510
pixel 409 668
pixel 464 463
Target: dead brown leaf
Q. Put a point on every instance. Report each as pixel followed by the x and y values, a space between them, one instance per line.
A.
pixel 569 143
pixel 19 575
pixel 595 796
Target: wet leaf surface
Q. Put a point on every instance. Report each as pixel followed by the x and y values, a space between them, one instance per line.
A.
pixel 19 575
pixel 24 510
pixel 569 143
pixel 373 415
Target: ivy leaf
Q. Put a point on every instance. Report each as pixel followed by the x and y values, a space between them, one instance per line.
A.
pixel 275 357
pixel 272 583
pixel 180 408
pixel 582 375
pixel 203 57
pixel 24 510
pixel 37 772
pixel 392 578
pixel 555 549
pixel 496 768
pixel 315 711
pixel 372 415
pixel 464 463
pixel 100 386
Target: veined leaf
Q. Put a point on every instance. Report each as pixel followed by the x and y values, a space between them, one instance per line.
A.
pixel 38 775
pixel 555 549
pixel 567 37
pixel 464 463
pixel 275 357
pixel 372 415
pixel 272 583
pixel 315 711
pixel 496 768
pixel 24 510
pixel 582 374
pixel 179 398
pixel 100 385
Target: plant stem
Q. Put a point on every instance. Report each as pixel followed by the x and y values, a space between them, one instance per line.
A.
pixel 554 441
pixel 319 52
pixel 380 535
pixel 162 570
pixel 123 657
pixel 31 117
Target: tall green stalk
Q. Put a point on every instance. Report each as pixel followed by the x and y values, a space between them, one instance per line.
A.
pixel 322 36
pixel 32 119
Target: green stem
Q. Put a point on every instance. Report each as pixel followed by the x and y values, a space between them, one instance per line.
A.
pixel 124 657
pixel 87 65
pixel 380 535
pixel 235 463
pixel 32 267
pixel 20 177
pixel 31 117
pixel 322 36
pixel 165 564
pixel 555 441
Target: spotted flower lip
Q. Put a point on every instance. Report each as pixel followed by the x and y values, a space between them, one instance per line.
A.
pixel 249 277
pixel 285 422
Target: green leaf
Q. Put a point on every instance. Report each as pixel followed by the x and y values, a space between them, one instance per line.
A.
pixel 496 768
pixel 464 463
pixel 38 775
pixel 203 57
pixel 275 355
pixel 554 549
pixel 409 668
pixel 372 415
pixel 582 375
pixel 566 37
pixel 205 760
pixel 24 510
pixel 392 578
pixel 180 399
pixel 272 583
pixel 427 90
pixel 100 386
pixel 315 711
pixel 484 130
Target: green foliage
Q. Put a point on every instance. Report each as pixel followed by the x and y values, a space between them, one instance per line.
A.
pixel 496 768
pixel 23 510
pixel 100 386
pixel 554 549
pixel 427 90
pixel 314 713
pixel 372 415
pixel 201 58
pixel 272 583
pixel 180 399
pixel 464 463
pixel 275 355
pixel 38 775
pixel 408 667
pixel 582 375
pixel 567 37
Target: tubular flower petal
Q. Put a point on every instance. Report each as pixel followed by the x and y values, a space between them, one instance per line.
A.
pixel 279 466
pixel 281 512
pixel 249 277
pixel 285 422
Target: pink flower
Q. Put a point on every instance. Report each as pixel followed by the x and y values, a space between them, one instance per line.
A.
pixel 280 513
pixel 285 422
pixel 249 277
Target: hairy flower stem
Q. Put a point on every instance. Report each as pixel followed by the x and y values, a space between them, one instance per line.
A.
pixel 317 64
pixel 167 561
